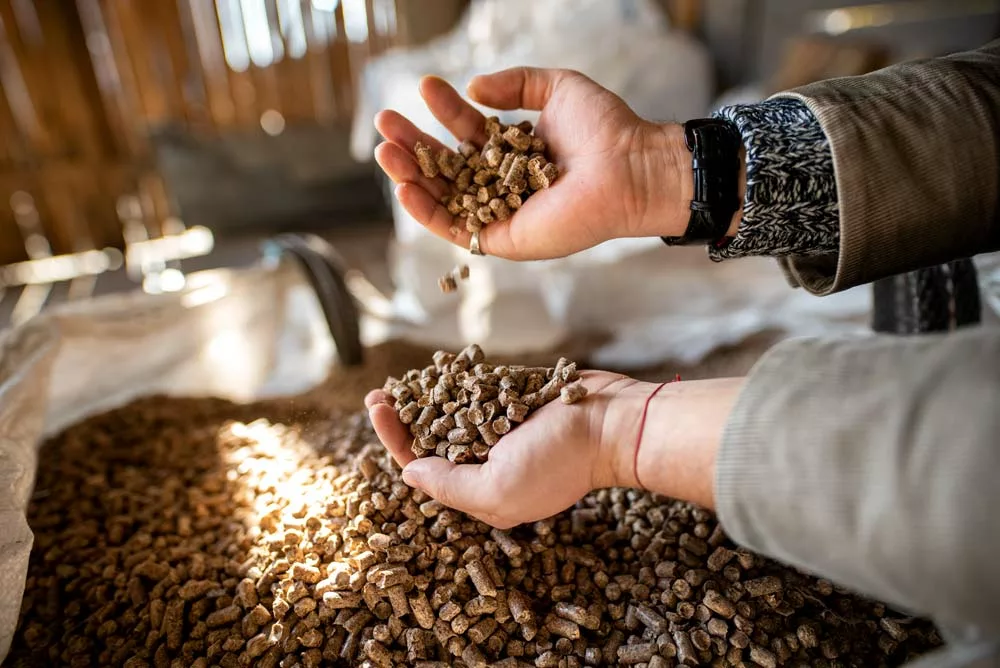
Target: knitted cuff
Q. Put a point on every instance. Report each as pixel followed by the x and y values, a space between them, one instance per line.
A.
pixel 790 208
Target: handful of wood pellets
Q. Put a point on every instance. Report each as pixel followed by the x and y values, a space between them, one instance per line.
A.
pixel 460 406
pixel 490 183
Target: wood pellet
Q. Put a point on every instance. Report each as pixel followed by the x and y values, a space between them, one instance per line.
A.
pixel 460 406
pixel 449 282
pixel 197 533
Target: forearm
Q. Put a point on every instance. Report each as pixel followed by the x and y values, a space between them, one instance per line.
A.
pixel 872 462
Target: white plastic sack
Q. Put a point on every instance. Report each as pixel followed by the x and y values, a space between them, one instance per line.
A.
pixel 625 45
pixel 240 335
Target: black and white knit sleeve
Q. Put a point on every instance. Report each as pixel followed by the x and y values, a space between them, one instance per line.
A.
pixel 790 208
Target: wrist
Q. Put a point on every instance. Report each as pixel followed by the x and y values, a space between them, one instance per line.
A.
pixel 670 183
pixel 681 437
pixel 618 433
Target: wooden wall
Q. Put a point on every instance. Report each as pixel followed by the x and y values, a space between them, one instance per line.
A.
pixel 84 83
pixel 58 155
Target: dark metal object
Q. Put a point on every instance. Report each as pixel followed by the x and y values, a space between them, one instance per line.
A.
pixel 302 179
pixel 935 299
pixel 325 270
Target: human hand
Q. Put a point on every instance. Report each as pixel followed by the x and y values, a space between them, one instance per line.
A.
pixel 620 176
pixel 559 454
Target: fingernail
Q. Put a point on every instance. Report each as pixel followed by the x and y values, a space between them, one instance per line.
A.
pixel 410 477
pixel 397 190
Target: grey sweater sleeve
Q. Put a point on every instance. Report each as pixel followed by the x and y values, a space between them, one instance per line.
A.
pixel 873 462
pixel 790 205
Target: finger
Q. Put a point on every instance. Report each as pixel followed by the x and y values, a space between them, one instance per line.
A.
pixel 393 433
pixel 401 167
pixel 494 239
pixel 399 130
pixel 375 397
pixel 517 88
pixel 462 119
pixel 465 487
pixel 430 213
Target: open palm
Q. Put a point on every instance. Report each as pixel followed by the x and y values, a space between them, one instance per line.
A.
pixel 616 169
pixel 537 470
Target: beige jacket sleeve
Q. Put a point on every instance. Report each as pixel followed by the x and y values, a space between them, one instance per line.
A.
pixel 874 461
pixel 916 155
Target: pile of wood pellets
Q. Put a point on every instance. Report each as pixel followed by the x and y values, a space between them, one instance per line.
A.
pixel 491 182
pixel 195 533
pixel 459 406
pixel 488 183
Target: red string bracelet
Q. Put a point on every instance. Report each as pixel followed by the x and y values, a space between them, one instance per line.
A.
pixel 642 427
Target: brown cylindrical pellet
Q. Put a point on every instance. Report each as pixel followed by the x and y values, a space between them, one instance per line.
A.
pixel 422 611
pixel 489 436
pixel 578 615
pixel 719 604
pixel 701 640
pixel 462 435
pixel 719 558
pixel 446 164
pixel 425 158
pixel 480 578
pixel 637 653
pixel 573 393
pixel 474 657
pixel 686 653
pixel 499 208
pixel 763 657
pixel 520 607
pixel 485 215
pixel 807 635
pixel 515 179
pixel 517 412
pixel 650 619
pixel 518 140
pixel 447 284
pixel 563 627
pixel 506 543
pixel 769 584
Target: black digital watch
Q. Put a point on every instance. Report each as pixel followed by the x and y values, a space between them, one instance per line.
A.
pixel 715 154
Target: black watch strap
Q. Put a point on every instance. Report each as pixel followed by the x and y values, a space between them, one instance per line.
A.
pixel 715 150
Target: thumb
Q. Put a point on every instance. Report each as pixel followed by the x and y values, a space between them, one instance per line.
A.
pixel 464 487
pixel 517 88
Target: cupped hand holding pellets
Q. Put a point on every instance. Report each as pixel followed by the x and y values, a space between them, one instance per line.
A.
pixel 557 453
pixel 540 468
pixel 620 176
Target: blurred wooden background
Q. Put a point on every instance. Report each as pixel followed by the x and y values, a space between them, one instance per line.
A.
pixel 87 83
